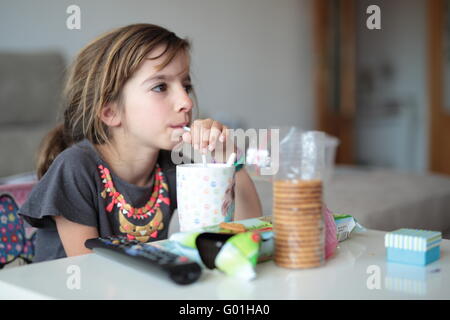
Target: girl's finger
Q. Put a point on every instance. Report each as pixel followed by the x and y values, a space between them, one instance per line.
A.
pixel 196 134
pixel 205 138
pixel 216 130
pixel 205 128
pixel 224 134
pixel 187 138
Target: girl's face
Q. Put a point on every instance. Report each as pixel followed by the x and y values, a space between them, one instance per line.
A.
pixel 157 103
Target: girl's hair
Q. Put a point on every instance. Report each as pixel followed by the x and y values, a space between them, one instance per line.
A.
pixel 97 77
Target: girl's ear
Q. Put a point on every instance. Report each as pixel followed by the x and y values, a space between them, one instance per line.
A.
pixel 110 115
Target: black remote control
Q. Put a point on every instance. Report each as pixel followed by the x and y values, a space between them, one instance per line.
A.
pixel 180 269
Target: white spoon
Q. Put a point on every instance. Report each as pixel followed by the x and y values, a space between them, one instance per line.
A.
pixel 231 159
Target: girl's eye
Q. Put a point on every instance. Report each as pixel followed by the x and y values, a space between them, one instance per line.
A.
pixel 160 88
pixel 188 88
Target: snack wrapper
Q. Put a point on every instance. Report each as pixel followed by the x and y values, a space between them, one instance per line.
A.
pixel 263 226
pixel 331 240
pixel 346 225
pixel 239 255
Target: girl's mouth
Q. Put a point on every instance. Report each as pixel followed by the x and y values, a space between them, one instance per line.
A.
pixel 179 125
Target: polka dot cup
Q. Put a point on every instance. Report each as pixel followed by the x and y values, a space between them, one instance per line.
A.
pixel 205 194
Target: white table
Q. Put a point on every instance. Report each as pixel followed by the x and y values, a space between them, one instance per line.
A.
pixel 358 265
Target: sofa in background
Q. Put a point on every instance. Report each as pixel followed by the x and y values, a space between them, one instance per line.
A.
pixel 30 90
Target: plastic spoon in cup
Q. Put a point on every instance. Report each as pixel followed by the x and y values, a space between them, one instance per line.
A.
pixel 231 159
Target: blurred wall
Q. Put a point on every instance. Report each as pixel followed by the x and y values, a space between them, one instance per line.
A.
pixel 252 59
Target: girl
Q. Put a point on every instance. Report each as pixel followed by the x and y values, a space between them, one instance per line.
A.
pixel 107 169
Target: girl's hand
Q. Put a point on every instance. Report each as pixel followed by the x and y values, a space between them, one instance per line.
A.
pixel 207 135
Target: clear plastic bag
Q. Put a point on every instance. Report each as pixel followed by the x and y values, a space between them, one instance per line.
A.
pixel 302 155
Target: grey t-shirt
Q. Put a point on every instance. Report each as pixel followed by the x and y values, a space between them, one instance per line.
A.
pixel 73 187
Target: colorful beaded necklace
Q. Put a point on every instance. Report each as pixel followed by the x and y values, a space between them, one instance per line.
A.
pixel 157 197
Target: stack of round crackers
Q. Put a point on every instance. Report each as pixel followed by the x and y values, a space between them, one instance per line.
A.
pixel 299 230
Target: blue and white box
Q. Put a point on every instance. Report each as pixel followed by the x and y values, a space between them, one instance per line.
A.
pixel 412 246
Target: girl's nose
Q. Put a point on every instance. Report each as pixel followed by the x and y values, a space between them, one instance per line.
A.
pixel 184 102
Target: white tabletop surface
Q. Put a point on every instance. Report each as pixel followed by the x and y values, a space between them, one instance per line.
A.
pixel 357 271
